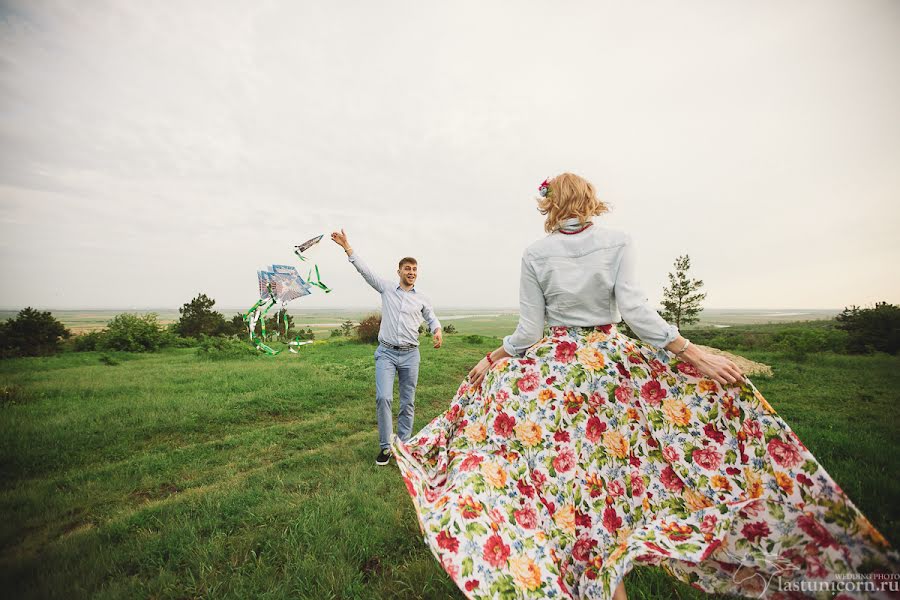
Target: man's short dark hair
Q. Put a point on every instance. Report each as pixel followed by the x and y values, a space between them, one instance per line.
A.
pixel 407 260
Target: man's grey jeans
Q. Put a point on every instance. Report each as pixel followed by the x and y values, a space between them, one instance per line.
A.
pixel 404 363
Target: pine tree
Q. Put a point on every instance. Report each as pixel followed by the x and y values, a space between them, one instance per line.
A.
pixel 31 333
pixel 347 328
pixel 681 300
pixel 275 325
pixel 198 318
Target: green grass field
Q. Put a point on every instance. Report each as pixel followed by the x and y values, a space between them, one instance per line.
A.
pixel 171 476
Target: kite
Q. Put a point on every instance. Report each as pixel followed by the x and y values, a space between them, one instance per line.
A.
pixel 281 283
pixel 299 250
pixel 287 283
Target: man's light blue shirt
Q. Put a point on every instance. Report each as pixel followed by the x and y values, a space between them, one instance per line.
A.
pixel 587 278
pixel 402 311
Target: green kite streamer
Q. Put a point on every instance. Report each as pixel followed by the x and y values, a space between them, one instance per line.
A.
pixel 318 282
pixel 281 282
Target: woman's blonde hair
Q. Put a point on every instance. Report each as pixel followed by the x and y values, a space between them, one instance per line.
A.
pixel 569 196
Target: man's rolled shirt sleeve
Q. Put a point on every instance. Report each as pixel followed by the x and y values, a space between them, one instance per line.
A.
pixel 430 317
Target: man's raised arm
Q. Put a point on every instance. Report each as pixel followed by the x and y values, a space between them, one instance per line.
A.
pixel 371 278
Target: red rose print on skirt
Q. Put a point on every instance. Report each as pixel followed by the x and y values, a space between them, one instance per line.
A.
pixel 785 454
pixel 653 393
pixel 611 521
pixel 447 541
pixel 565 352
pixel 503 425
pixel 595 428
pixel 526 517
pixel 529 382
pixel 564 461
pixel 708 458
pixel 495 551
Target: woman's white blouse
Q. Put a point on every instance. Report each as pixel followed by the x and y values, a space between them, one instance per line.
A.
pixel 585 279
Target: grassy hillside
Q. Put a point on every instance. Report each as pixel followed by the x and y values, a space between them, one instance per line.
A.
pixel 171 476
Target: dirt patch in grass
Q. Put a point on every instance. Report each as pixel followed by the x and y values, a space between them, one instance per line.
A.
pixel 164 490
pixel 13 394
pixel 76 527
pixel 372 568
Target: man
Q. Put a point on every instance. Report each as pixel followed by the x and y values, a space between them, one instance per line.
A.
pixel 402 311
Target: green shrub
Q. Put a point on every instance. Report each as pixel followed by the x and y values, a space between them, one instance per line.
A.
pixel 802 341
pixel 305 334
pixel 92 340
pixel 347 328
pixel 198 318
pixel 720 341
pixel 32 333
pixel 874 329
pixel 474 339
pixel 173 339
pixel 275 326
pixel 134 333
pixel 449 328
pixel 108 360
pixel 176 341
pixel 367 330
pixel 235 326
pixel 224 348
pixel 733 338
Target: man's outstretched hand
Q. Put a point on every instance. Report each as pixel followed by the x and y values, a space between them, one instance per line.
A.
pixel 438 338
pixel 341 239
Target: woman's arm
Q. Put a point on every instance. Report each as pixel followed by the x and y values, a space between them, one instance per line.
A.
pixel 528 331
pixel 476 375
pixel 531 312
pixel 634 305
pixel 711 365
pixel 653 329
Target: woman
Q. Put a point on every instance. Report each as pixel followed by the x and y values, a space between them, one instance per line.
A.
pixel 565 460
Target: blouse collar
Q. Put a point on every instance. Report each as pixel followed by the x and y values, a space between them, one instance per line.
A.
pixel 571 224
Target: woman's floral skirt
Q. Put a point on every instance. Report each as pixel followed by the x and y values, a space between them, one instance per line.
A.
pixel 596 452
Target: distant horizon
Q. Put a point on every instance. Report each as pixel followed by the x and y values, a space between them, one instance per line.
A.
pixel 369 306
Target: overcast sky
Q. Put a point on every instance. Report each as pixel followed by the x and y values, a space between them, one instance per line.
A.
pixel 154 150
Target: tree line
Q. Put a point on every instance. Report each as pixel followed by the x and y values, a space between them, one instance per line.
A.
pixel 859 330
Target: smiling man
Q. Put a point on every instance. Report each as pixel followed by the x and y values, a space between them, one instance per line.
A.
pixel 403 309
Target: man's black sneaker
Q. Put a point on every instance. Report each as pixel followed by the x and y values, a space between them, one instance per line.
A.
pixel 384 457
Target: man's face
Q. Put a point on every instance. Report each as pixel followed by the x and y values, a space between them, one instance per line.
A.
pixel 408 273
